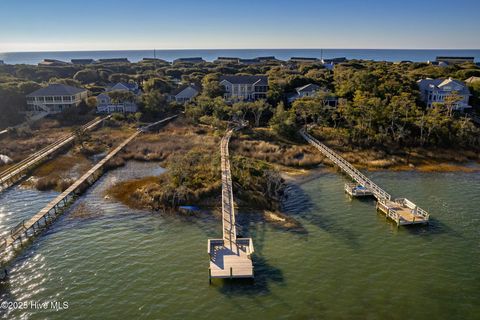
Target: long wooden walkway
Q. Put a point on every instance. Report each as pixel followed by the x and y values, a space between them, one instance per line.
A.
pixel 30 227
pixel 400 210
pixel 17 171
pixel 230 257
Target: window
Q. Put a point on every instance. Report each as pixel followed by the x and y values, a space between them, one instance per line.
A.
pixel 67 98
pixel 57 98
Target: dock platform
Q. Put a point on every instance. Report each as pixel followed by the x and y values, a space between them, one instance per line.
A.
pixel 402 211
pixel 357 190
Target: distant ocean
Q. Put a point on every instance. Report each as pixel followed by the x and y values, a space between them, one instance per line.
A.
pixel 210 55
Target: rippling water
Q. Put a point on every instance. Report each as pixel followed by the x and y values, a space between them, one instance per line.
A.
pixel 118 263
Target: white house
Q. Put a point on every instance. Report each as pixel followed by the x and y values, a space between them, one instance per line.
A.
pixel 185 93
pixel 436 90
pixel 244 87
pixel 311 90
pixel 106 105
pixel 55 98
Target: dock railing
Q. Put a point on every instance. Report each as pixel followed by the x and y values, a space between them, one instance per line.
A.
pixel 13 173
pixel 416 210
pixel 350 170
pixel 57 205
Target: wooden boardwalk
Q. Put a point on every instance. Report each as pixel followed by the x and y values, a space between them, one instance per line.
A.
pixel 401 210
pixel 230 257
pixel 17 171
pixel 30 227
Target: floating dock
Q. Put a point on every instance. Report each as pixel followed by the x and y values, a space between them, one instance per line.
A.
pixel 402 211
pixel 230 257
pixel 357 190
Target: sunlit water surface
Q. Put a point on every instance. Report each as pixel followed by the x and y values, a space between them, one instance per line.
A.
pixel 119 263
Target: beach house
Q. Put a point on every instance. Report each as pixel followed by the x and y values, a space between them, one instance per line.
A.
pixel 55 98
pixel 436 90
pixel 244 87
pixel 126 103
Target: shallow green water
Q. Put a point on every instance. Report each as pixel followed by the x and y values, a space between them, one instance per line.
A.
pixel 349 263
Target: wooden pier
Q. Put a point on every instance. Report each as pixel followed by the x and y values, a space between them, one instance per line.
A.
pixel 230 257
pixel 17 171
pixel 52 210
pixel 402 211
pixel 31 227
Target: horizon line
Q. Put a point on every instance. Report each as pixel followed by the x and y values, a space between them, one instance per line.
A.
pixel 206 49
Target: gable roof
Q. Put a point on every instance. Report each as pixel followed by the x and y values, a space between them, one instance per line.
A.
pixel 122 86
pixel 56 90
pixel 308 88
pixel 440 84
pixel 194 86
pixel 472 79
pixel 253 80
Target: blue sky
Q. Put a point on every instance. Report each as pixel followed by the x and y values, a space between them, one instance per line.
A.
pixel 42 25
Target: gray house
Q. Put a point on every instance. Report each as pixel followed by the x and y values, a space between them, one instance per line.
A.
pixel 55 98
pixel 244 87
pixel 436 90
pixel 106 105
pixel 185 93
pixel 311 90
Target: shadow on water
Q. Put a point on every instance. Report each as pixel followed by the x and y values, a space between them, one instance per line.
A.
pixel 265 273
pixel 433 228
pixel 300 204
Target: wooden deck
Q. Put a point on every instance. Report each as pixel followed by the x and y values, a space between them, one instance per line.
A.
pixel 229 257
pixel 17 171
pixel 402 210
pixel 230 262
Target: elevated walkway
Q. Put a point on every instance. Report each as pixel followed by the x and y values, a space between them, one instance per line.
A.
pixel 229 257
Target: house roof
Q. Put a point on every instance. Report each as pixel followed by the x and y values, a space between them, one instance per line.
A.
pixel 194 86
pixel 228 58
pixel 472 79
pixel 193 59
pixel 303 58
pixel 454 58
pixel 308 88
pixel 254 80
pixel 82 61
pixel 114 60
pixel 122 86
pixel 441 84
pixel 56 90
